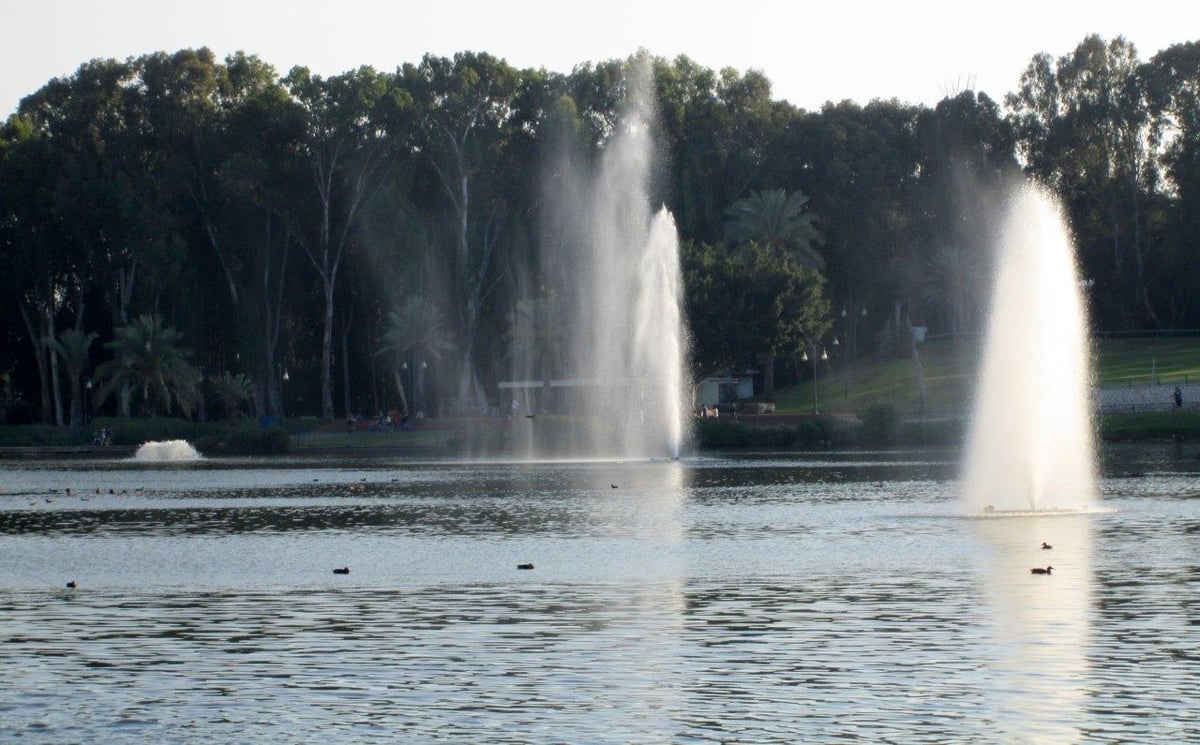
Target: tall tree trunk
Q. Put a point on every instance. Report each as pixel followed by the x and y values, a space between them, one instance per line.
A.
pixel 272 313
pixel 39 356
pixel 124 299
pixel 327 354
pixel 1143 293
pixel 76 402
pixel 346 321
pixel 55 378
pixel 400 388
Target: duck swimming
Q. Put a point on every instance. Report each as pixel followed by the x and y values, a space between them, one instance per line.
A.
pixel 343 570
pixel 1046 545
pixel 524 566
pixel 1039 570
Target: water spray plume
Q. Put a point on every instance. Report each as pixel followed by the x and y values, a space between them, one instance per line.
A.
pixel 626 344
pixel 1032 442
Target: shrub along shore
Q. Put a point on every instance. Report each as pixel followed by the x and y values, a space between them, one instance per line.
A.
pixel 878 426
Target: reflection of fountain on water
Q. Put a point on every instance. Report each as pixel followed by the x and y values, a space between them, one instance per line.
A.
pixel 617 266
pixel 1037 689
pixel 168 451
pixel 1031 445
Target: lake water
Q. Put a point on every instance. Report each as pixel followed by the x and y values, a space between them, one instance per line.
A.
pixel 769 598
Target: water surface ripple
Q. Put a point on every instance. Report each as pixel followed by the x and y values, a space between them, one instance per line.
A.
pixel 776 599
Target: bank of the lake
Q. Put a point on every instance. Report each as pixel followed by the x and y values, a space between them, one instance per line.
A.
pixel 878 427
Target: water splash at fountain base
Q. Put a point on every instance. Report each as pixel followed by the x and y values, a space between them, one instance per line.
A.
pixel 168 451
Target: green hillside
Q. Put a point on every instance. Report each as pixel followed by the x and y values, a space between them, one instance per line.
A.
pixel 949 367
pixel 1131 360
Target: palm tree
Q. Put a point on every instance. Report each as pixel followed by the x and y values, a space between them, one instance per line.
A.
pixel 776 219
pixel 953 282
pixel 149 358
pixel 232 391
pixel 416 328
pixel 72 347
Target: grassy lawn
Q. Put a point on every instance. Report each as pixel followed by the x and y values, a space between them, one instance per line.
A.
pixel 1140 360
pixel 949 367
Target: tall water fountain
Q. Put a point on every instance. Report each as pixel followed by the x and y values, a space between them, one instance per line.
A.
pixel 617 264
pixel 1031 446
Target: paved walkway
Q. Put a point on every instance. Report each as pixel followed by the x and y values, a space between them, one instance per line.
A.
pixel 1128 399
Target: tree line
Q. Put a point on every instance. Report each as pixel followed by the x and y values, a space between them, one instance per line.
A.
pixel 180 233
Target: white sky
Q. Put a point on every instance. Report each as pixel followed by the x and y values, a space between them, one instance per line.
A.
pixel 812 50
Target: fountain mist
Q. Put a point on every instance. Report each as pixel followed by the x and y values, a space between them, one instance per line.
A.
pixel 623 296
pixel 1031 445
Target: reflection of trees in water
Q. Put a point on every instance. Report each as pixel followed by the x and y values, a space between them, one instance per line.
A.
pixel 416 519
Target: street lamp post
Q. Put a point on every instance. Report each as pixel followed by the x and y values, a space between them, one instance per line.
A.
pixel 87 403
pixel 420 382
pixel 283 395
pixel 824 358
pixel 852 320
pixel 409 405
pixel 414 379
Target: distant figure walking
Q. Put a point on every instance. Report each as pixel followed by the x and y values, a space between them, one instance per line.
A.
pixel 1178 398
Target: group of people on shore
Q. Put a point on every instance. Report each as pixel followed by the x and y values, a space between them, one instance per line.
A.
pixel 714 412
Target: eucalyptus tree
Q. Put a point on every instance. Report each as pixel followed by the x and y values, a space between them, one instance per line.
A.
pixel 859 164
pixel 1083 126
pixel 349 137
pixel 967 162
pixel 714 133
pixel 1172 81
pixel 467 106
pixel 117 218
pixel 248 210
pixel 752 118
pixel 689 116
pixel 598 91
pixel 33 244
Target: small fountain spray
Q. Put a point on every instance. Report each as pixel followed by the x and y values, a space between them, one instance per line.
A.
pixel 1031 445
pixel 168 451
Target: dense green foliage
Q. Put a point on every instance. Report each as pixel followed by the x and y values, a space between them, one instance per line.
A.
pixel 293 229
pixel 1151 426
